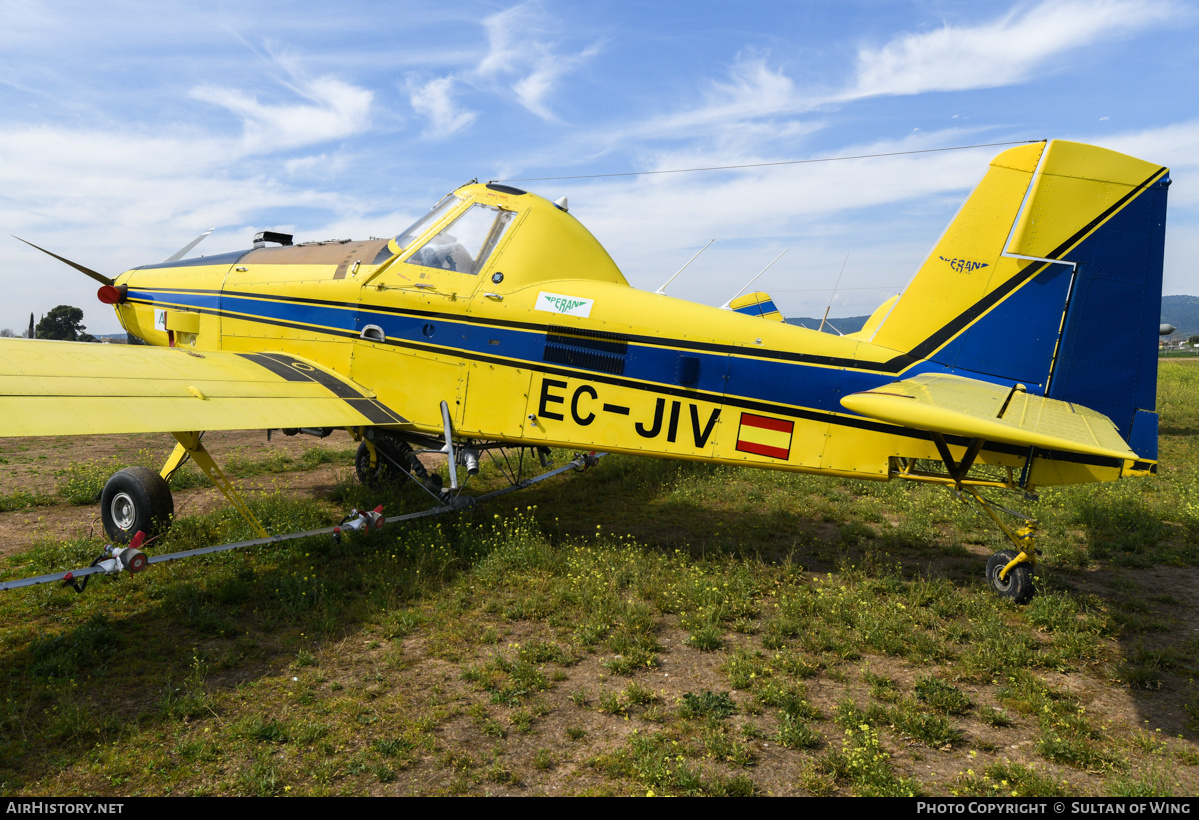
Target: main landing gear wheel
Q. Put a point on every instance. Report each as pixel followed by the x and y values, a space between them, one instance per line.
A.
pixel 392 452
pixel 1017 584
pixel 383 472
pixel 136 499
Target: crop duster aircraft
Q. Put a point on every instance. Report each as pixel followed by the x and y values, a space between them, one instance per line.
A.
pixel 1022 354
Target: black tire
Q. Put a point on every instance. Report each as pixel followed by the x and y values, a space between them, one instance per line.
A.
pixel 1017 585
pixel 383 472
pixel 392 452
pixel 136 499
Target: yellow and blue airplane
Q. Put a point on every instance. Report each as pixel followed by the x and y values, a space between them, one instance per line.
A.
pixel 1022 354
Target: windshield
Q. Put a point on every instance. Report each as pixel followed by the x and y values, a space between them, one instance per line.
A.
pixel 465 244
pixel 418 227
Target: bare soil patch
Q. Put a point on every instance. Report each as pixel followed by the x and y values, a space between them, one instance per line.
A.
pixel 37 465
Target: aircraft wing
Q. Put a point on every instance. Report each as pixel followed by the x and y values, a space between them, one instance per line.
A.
pixel 69 388
pixel 959 406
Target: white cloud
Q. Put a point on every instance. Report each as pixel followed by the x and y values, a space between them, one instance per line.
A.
pixel 1005 51
pixel 435 102
pixel 1176 145
pixel 520 45
pixel 112 200
pixel 752 91
pixel 504 39
pixel 335 110
pixel 522 57
pixel 328 166
pixel 757 102
pixel 549 69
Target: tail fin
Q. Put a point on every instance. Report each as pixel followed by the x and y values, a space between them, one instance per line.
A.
pixel 1050 275
pixel 756 304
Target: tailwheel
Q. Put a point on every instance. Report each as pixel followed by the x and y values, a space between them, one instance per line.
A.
pixel 1016 584
pixel 136 498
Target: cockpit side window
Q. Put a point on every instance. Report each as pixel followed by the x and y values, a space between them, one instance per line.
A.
pixel 419 226
pixel 466 243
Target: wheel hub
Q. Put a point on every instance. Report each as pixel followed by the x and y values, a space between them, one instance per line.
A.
pixel 123 511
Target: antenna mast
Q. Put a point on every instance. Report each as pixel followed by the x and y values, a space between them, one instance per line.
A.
pixel 833 296
pixel 751 281
pixel 662 290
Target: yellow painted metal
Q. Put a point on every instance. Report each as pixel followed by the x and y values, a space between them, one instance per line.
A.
pixel 1023 539
pixel 373 453
pixel 965 265
pixel 967 407
pixel 191 442
pixel 173 461
pixel 183 321
pixel 73 388
pixel 1073 183
pixel 947 481
pixel 755 299
pixel 875 320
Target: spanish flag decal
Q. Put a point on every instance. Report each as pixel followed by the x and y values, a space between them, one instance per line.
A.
pixel 765 436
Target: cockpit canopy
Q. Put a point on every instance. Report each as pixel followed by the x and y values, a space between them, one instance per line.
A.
pixel 482 226
pixel 466 243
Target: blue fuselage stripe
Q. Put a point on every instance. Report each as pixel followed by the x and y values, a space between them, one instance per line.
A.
pixel 777 382
pixel 765 385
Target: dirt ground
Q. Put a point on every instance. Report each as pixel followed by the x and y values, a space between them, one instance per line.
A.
pixel 35 465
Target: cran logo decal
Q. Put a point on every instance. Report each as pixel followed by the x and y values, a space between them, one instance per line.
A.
pixel 964 265
pixel 567 305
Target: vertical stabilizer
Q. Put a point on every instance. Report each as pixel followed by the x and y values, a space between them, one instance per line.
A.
pixel 1051 276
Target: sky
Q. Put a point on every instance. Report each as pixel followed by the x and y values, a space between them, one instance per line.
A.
pixel 129 128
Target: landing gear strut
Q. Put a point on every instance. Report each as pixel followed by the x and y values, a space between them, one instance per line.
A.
pixel 1010 571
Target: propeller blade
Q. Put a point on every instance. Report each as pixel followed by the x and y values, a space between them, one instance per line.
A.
pixel 175 257
pixel 99 277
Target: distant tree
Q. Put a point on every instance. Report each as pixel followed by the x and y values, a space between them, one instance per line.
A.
pixel 65 323
pixel 7 333
pixel 1193 340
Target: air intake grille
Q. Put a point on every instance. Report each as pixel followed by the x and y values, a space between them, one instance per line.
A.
pixel 586 349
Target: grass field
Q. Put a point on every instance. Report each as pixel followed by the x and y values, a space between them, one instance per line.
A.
pixel 648 627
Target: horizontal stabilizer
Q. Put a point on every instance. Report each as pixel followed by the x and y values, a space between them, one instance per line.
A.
pixel 976 409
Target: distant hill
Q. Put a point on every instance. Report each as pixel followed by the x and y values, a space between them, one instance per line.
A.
pixel 1180 311
pixel 845 324
pixel 1183 313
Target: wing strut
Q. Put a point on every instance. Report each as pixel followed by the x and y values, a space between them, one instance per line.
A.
pixel 190 444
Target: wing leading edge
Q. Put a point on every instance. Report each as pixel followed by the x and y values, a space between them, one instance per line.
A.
pixel 956 405
pixel 68 388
